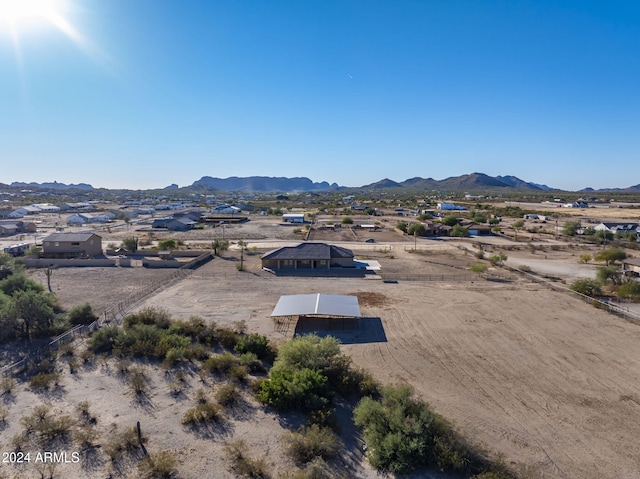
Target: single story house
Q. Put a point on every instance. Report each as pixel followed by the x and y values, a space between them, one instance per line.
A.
pixel 293 218
pixel 619 227
pixel 82 244
pixel 180 224
pixel 79 219
pixel 308 256
pixel 631 265
pixel 8 228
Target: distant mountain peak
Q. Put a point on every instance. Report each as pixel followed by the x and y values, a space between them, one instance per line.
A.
pixel 54 185
pixel 263 184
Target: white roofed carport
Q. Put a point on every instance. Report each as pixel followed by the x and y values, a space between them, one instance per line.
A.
pixel 317 305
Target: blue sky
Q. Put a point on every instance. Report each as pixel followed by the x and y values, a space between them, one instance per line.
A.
pixel 145 93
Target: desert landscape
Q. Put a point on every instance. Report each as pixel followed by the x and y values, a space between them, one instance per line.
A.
pixel 536 376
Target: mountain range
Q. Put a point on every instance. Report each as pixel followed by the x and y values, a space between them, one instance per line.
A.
pixel 264 184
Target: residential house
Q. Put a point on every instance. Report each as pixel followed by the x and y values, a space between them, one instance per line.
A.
pixel 293 218
pixel 308 256
pixel 619 227
pixel 82 244
pixel 180 224
pixel 631 266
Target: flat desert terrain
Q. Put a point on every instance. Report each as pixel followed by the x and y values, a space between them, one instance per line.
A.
pixel 538 376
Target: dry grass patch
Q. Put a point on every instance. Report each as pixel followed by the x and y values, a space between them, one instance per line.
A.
pixel 244 465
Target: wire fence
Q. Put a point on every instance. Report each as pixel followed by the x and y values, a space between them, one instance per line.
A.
pixel 113 315
pixel 600 303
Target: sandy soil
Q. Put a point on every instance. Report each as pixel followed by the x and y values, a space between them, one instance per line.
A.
pixel 540 376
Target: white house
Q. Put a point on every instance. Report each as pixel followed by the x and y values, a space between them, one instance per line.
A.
pixel 450 206
pixel 226 209
pixel 293 218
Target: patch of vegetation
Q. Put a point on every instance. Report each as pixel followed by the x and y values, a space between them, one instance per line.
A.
pixel 81 314
pixel 403 435
pixel 587 286
pixel 309 443
pixel 203 413
pixel 44 380
pixel 254 343
pixel 228 395
pixel 630 290
pixel 242 464
pixel 161 465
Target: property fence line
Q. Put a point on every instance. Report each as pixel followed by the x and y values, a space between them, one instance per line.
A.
pixel 603 304
pixel 113 315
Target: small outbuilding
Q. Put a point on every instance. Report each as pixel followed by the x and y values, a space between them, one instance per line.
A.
pixel 313 312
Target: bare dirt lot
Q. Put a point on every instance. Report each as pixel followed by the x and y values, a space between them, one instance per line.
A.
pixel 540 376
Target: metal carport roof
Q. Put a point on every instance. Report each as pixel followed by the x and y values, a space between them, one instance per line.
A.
pixel 317 304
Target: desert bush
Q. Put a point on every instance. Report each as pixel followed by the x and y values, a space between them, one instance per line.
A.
pixel 478 268
pixel 316 469
pixel 585 258
pixel 161 465
pixel 525 268
pixel 311 442
pixel 221 363
pixel 238 372
pixel 497 259
pixel 305 390
pixel 244 465
pixel 203 413
pixel 609 274
pixel 4 413
pixel 104 339
pixel 228 394
pixel 83 409
pixel 227 337
pixel 254 343
pixel 44 380
pixel 201 396
pixel 403 434
pixel 138 381
pixel 85 436
pixel 151 316
pixel 81 314
pixel 127 441
pixel 192 328
pixel 252 363
pixel 630 290
pixel 7 385
pixel 587 286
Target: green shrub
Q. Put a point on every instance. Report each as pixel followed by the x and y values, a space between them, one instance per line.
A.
pixel 254 343
pixel 309 443
pixel 81 314
pixel 152 316
pixel 221 363
pixel 478 268
pixel 402 434
pixel 304 390
pixel 44 380
pixel 587 286
pixel 227 337
pixel 104 339
pixel 629 290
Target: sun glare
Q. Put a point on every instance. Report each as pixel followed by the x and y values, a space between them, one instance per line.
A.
pixel 15 12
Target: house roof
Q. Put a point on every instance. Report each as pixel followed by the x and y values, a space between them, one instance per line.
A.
pixel 309 251
pixel 75 237
pixel 631 261
pixel 317 304
pixel 183 220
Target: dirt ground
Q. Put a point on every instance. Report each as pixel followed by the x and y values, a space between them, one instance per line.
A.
pixel 539 376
